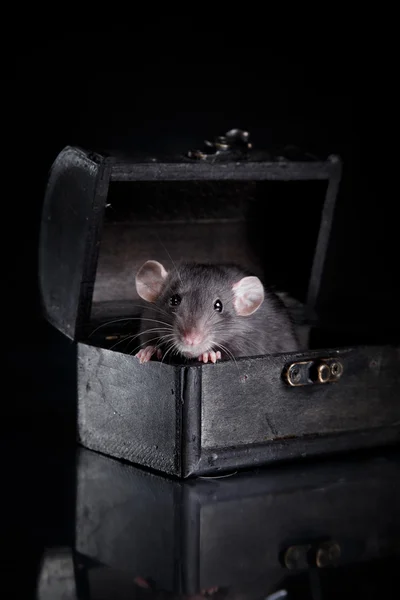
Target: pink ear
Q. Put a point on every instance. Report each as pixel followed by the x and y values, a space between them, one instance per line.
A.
pixel 150 279
pixel 249 295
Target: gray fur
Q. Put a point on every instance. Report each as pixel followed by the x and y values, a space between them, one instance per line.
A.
pixel 269 330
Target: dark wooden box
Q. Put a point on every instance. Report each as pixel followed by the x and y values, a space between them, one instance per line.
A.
pixel 236 531
pixel 104 217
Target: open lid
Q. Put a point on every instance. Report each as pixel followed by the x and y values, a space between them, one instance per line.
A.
pixel 76 197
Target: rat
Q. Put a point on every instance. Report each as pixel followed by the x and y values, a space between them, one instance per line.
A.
pixel 209 312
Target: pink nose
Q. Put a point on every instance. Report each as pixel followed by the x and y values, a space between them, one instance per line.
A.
pixel 192 338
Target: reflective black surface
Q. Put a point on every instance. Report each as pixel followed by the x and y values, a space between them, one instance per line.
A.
pixel 247 535
pixel 258 532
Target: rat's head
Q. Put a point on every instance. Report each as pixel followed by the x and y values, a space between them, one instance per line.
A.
pixel 202 304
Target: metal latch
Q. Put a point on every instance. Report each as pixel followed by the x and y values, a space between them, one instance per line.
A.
pixel 311 372
pixel 321 555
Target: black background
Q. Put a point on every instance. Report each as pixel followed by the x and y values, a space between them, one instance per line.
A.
pixel 168 89
pixel 166 85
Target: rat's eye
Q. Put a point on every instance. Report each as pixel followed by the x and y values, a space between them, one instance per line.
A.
pixel 175 300
pixel 218 305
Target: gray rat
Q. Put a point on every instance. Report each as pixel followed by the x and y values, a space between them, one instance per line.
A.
pixel 207 312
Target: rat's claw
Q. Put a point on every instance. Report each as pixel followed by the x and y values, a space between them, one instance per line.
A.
pixel 212 590
pixel 141 582
pixel 159 354
pixel 145 354
pixel 213 356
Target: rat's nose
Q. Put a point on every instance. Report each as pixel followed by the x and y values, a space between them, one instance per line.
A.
pixel 192 338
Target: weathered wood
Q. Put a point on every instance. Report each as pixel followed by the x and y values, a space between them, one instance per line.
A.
pixel 69 238
pixel 129 410
pixel 237 171
pixel 324 235
pixel 262 407
pixel 202 419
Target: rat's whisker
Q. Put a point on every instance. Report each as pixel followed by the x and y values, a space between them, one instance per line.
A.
pixel 171 347
pixel 228 352
pixel 153 330
pixel 113 321
pixel 147 342
pixel 165 340
pixel 158 338
pixel 133 337
pixel 124 339
pixel 128 319
pixel 155 321
pixel 170 257
pixel 167 336
pixel 152 306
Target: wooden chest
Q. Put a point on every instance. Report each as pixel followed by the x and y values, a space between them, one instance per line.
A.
pixel 103 217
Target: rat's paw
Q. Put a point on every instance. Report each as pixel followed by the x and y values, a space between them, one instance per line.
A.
pixel 212 356
pixel 145 354
pixel 141 582
pixel 212 590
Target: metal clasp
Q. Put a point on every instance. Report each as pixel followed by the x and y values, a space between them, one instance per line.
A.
pixel 311 372
pixel 321 555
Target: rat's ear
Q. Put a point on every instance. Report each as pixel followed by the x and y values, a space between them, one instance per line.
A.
pixel 150 279
pixel 248 296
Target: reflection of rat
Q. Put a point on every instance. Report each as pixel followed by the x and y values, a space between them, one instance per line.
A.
pixel 208 312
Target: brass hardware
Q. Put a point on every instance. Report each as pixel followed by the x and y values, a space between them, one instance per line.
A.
pixel 324 373
pixel 336 369
pixel 296 557
pixel 235 140
pixel 117 336
pixel 310 372
pixel 328 554
pixel 303 556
